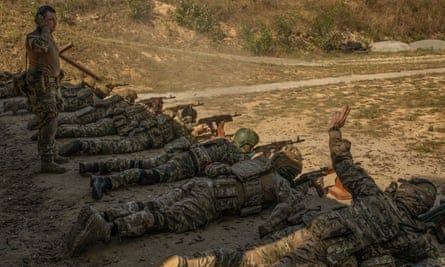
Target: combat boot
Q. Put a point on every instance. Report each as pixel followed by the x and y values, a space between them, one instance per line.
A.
pixel 89 228
pixel 72 148
pixel 51 167
pixel 85 167
pixel 60 160
pixel 100 185
pixel 149 177
pixel 35 136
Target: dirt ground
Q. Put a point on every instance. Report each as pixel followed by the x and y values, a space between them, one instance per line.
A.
pixel 397 128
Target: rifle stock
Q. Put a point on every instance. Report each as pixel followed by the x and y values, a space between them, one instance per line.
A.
pixel 75 64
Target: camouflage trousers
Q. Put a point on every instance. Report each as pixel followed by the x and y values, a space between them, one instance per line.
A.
pixel 183 209
pixel 47 127
pixel 122 164
pixel 178 167
pixel 123 145
pixel 15 105
pixel 102 127
pixel 83 116
pixel 300 248
pixel 8 90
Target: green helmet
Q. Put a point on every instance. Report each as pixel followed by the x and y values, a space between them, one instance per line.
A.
pixel 246 139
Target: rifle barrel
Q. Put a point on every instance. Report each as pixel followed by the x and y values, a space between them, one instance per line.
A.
pixel 80 67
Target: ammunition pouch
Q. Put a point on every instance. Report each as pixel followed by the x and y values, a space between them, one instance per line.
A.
pixel 249 169
pixel 253 193
pixel 226 194
pixel 216 169
pixel 200 157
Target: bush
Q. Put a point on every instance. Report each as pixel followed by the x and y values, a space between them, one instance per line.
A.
pixel 140 8
pixel 199 18
pixel 259 41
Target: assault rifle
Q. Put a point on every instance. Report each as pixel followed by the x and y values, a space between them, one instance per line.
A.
pixel 75 64
pixel 313 178
pixel 276 145
pixel 435 220
pixel 183 106
pixel 156 99
pixel 217 119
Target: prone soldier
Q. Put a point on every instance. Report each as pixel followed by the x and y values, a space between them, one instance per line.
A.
pixel 378 224
pixel 193 160
pixel 244 188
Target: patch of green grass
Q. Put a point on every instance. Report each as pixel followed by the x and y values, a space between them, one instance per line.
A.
pixel 198 17
pixel 140 9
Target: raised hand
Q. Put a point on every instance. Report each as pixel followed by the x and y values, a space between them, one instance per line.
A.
pixel 338 119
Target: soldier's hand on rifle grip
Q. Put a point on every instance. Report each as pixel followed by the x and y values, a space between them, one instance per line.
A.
pixel 220 132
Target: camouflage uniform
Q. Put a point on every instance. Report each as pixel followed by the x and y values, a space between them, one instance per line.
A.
pixel 101 109
pixel 8 90
pixel 43 80
pixel 245 189
pixel 373 220
pixel 179 166
pixel 123 124
pixel 15 105
pixel 77 97
pixel 139 134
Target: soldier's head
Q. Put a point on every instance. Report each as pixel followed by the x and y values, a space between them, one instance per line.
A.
pixel 418 194
pixel 188 114
pixel 48 14
pixel 246 139
pixel 288 163
pixel 130 96
pixel 156 105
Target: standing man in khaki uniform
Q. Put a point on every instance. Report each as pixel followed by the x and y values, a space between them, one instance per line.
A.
pixel 43 78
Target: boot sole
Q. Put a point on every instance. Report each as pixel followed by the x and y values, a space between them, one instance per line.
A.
pixel 78 234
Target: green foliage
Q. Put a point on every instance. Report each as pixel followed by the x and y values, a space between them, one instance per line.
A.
pixel 140 8
pixel 199 18
pixel 258 40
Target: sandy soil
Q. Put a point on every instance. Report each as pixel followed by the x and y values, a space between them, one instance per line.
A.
pixel 38 210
